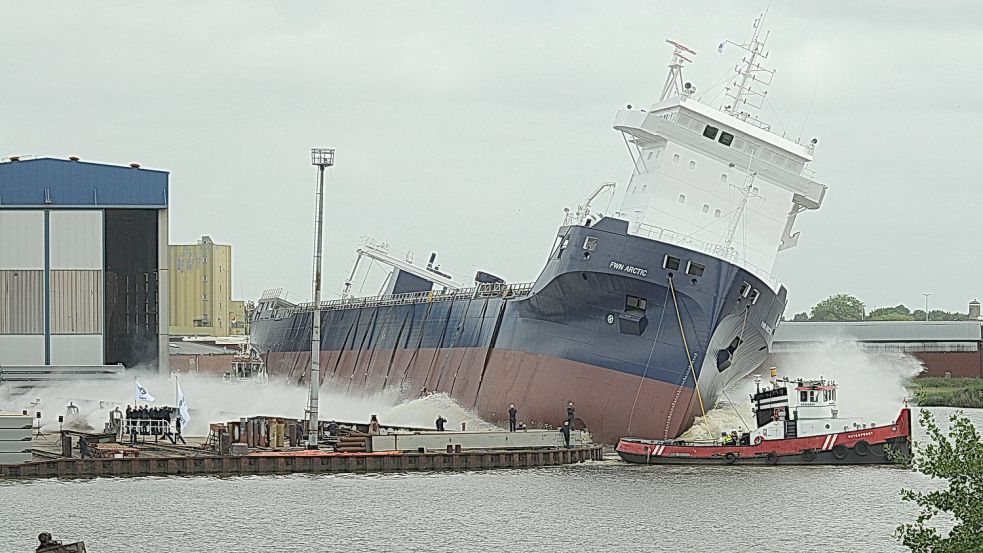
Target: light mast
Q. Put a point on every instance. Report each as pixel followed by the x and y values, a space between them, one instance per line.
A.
pixel 320 157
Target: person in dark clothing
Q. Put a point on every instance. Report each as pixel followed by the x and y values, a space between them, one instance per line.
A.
pixel 565 430
pixel 84 448
pixel 332 428
pixel 177 432
pixel 570 414
pixel 440 422
pixel 512 413
pixel 129 412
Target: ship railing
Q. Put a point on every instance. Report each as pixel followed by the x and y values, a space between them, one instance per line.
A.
pixel 476 292
pixel 716 250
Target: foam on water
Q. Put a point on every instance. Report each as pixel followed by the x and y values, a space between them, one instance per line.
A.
pixel 212 400
pixel 871 386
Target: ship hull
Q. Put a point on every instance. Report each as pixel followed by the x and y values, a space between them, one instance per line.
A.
pixel 579 334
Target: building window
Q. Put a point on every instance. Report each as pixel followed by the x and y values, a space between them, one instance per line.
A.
pixel 671 263
pixel 204 296
pixel 695 269
pixel 726 138
pixel 710 132
pixel 675 158
pixel 706 208
pixel 692 165
pixel 682 198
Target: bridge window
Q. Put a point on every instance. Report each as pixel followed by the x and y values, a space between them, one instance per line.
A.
pixel 716 213
pixel 710 132
pixel 682 198
pixel 723 177
pixel 695 269
pixel 671 263
pixel 692 165
pixel 675 158
pixel 726 138
pixel 753 296
pixel 803 396
pixel 706 208
pixel 590 244
pixel 745 289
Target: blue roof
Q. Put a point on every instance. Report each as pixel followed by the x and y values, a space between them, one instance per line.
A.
pixel 62 183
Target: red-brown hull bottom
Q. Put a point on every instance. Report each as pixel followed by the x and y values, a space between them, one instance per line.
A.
pixel 538 385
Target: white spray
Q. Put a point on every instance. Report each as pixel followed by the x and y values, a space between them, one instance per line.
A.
pixel 871 385
pixel 212 400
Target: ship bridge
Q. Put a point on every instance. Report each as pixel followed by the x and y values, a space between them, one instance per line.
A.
pixel 716 180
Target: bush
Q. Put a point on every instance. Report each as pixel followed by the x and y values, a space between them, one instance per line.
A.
pixel 957 459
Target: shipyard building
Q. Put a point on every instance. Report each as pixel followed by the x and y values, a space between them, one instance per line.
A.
pixel 83 264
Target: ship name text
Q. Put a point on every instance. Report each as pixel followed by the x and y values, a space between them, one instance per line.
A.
pixel 631 270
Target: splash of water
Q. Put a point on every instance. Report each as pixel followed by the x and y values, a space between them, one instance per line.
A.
pixel 871 385
pixel 212 400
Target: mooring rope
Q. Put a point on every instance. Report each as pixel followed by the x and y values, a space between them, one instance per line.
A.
pixel 689 357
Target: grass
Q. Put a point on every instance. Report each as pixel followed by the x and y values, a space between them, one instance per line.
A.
pixel 948 392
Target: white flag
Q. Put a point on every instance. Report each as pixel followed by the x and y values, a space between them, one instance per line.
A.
pixel 141 393
pixel 182 406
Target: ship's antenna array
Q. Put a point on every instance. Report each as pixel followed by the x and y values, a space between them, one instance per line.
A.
pixel 674 81
pixel 750 87
pixel 321 158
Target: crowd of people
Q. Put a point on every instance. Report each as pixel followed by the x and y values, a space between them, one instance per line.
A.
pixel 153 421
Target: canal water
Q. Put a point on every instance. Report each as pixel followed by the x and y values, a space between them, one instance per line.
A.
pixel 597 506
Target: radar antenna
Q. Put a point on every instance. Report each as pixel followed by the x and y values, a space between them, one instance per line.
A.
pixel 674 81
pixel 750 86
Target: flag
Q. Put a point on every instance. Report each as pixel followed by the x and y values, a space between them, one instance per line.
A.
pixel 141 393
pixel 182 406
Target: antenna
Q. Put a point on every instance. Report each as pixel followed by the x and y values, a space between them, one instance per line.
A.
pixel 674 81
pixel 750 86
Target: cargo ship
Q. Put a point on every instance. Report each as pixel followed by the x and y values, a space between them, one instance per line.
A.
pixel 640 317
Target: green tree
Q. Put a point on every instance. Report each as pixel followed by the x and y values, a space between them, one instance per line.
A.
pixel 896 313
pixel 800 317
pixel 841 307
pixel 957 459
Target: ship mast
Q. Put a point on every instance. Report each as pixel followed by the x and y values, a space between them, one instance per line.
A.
pixel 674 80
pixel 320 157
pixel 750 87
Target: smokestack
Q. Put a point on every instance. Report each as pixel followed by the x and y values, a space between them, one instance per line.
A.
pixel 974 310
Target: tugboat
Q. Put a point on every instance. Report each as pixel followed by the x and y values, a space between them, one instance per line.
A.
pixel 798 424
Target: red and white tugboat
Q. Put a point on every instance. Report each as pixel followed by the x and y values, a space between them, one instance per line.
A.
pixel 798 424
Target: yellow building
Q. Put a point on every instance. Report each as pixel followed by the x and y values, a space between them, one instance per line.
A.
pixel 238 318
pixel 201 289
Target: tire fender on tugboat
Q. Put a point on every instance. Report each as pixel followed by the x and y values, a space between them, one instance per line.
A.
pixel 771 458
pixel 729 458
pixel 862 448
pixel 809 455
pixel 840 452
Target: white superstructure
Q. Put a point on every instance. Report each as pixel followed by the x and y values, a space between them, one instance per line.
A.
pixel 717 180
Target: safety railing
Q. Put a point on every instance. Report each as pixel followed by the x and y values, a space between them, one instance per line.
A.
pixel 476 292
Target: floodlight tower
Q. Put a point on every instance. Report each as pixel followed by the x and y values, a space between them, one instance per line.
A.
pixel 320 157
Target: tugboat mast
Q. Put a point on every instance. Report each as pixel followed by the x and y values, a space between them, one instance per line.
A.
pixel 321 157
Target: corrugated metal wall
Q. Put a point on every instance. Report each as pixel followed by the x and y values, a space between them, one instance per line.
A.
pixel 76 302
pixel 75 240
pixel 21 239
pixel 21 349
pixel 21 302
pixel 76 349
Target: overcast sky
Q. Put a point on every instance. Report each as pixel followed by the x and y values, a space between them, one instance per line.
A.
pixel 466 127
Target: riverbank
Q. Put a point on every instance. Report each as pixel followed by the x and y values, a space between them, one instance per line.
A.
pixel 947 392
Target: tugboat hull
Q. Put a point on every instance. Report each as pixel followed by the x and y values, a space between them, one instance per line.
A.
pixel 883 445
